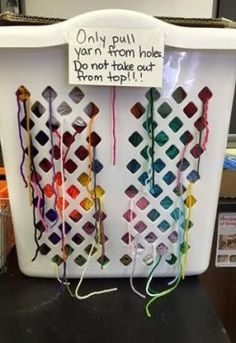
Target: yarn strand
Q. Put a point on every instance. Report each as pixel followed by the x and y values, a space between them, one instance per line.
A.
pixel 83 297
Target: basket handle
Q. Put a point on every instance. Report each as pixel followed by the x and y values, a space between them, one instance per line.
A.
pixel 175 36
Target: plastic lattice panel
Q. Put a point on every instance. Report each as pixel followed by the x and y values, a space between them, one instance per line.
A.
pixel 152 208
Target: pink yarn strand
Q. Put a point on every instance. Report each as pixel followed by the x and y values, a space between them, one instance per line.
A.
pixel 206 125
pixel 114 140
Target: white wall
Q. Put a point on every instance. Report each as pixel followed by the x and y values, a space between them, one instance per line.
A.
pixel 69 8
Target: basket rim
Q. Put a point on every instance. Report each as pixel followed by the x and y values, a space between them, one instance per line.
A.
pixel 175 36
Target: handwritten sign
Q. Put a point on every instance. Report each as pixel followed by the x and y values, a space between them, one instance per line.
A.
pixel 116 57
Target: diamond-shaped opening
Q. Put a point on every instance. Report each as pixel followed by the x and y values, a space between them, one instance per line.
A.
pixel 140 226
pixel 48 190
pixel 45 165
pixel 196 151
pixel 161 138
pixel 38 109
pixel 176 213
pixel 24 123
pixel 159 165
pixel 55 152
pixel 186 225
pixel 140 248
pixel 172 152
pixel 179 95
pixel 100 215
pixel 129 215
pixel 161 249
pixel 163 226
pixel 169 178
pixel 96 166
pixel 70 166
pixel 51 215
pixel 155 191
pixel 79 124
pixel 153 215
pixel 186 137
pixel 137 110
pixel 143 178
pixel 151 237
pixel 88 228
pixel 34 152
pixel 149 124
pixel 88 248
pixel 125 260
pixel 190 201
pixel 75 216
pixel 81 153
pixel 175 124
pixel 40 226
pixel 99 191
pixel 193 176
pixel 142 203
pixel 179 189
pixel 183 164
pixel 147 152
pixel 135 139
pixel 205 94
pixel 49 94
pixel 152 94
pixel 91 110
pixel 127 238
pixel 41 138
pixel 67 228
pixel 68 138
pixel 64 109
pixel 76 95
pixel 131 191
pixel 77 239
pixel 86 204
pixel 103 260
pixel 148 260
pixel 62 203
pixel 73 191
pixel 184 247
pixel 57 259
pixel 54 238
pixel 171 259
pixel 80 260
pixel 133 166
pixel 84 179
pixel 190 109
pixel 166 202
pixel 94 139
pixel 173 237
pixel 200 124
pixel 54 124
pixel 164 110
pixel 44 249
pixel 68 250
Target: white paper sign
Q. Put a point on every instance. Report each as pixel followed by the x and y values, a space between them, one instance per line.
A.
pixel 116 57
pixel 226 240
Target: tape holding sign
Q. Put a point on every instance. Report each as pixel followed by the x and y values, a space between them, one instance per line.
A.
pixel 116 57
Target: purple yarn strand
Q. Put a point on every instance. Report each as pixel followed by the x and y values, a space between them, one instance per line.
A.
pixel 21 143
pixel 52 157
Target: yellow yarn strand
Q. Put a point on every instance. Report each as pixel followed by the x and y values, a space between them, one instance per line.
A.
pixel 186 231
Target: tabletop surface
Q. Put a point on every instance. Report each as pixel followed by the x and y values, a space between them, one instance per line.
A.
pixel 34 310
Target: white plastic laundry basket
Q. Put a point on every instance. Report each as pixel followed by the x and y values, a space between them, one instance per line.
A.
pixel 198 63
